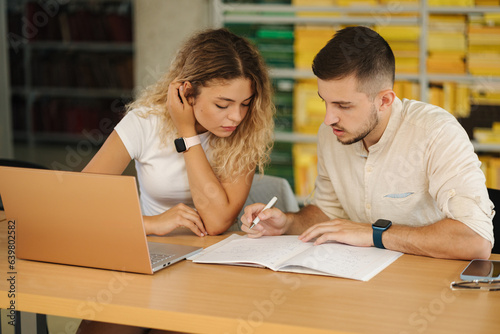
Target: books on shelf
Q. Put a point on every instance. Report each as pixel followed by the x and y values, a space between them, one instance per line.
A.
pixel 407 89
pixel 490 165
pixel 447 44
pixel 80 21
pixel 485 92
pixel 82 69
pixel 458 3
pixel 484 46
pixel 452 96
pixel 70 116
pixel 404 44
pixel 488 3
pixel 308 109
pixel 289 254
pixel 488 135
pixel 305 161
pixel 283 101
pixel 309 40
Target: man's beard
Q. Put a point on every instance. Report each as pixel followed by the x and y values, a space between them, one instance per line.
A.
pixel 370 125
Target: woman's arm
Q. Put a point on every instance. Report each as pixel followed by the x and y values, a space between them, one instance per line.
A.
pixel 113 158
pixel 218 203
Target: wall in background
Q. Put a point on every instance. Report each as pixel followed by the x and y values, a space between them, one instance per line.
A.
pixel 160 27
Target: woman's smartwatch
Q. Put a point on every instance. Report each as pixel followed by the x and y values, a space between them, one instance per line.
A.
pixel 183 144
pixel 379 227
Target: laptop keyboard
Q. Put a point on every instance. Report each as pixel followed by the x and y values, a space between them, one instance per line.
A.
pixel 157 257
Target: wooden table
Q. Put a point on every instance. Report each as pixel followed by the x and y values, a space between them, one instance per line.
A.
pixel 410 296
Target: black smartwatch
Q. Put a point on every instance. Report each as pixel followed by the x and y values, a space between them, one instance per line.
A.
pixel 379 227
pixel 183 144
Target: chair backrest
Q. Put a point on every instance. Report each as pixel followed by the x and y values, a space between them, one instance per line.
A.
pixel 264 187
pixel 18 163
pixel 495 198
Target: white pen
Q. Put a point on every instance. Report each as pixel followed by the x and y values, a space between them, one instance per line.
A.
pixel 269 205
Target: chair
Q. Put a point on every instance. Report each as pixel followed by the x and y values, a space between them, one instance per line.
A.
pixel 264 187
pixel 495 198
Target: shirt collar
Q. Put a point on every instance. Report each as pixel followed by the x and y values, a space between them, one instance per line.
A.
pixel 392 127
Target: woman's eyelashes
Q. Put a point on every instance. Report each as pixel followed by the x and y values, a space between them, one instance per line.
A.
pixel 246 105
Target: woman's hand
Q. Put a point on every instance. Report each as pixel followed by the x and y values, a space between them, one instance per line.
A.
pixel 180 109
pixel 180 215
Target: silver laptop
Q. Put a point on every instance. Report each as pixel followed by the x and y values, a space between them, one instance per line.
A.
pixel 83 219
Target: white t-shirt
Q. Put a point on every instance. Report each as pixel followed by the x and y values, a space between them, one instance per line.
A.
pixel 161 171
pixel 422 170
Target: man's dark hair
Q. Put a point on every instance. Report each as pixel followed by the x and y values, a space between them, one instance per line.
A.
pixel 357 51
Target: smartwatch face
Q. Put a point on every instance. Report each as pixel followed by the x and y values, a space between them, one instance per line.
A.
pixel 382 223
pixel 180 146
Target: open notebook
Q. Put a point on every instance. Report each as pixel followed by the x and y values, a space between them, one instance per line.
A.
pixel 83 219
pixel 288 253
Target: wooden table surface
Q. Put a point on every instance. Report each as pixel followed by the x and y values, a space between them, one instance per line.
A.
pixel 412 295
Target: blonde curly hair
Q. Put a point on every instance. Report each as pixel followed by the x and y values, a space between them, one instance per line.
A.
pixel 210 57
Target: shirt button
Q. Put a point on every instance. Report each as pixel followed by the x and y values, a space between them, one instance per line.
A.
pixel 369 169
pixel 451 192
pixel 368 206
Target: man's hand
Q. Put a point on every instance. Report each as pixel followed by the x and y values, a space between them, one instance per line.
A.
pixel 340 230
pixel 272 221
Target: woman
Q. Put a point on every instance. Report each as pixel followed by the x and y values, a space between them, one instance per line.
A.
pixel 216 93
pixel 217 96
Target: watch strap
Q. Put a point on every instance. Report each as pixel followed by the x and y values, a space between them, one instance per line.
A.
pixel 377 237
pixel 183 144
pixel 192 141
pixel 379 227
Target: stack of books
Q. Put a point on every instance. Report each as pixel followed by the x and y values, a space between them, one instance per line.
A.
pixel 487 2
pixel 484 44
pixel 282 162
pixel 407 89
pixel 283 100
pixel 275 42
pixel 308 108
pixel 452 96
pixel 447 44
pixel 458 3
pixel 80 21
pixel 309 40
pixel 490 166
pixel 305 160
pixel 404 41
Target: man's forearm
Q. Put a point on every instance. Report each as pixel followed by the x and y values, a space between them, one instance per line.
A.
pixel 300 221
pixel 447 238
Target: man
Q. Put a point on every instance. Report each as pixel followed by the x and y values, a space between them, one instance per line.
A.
pixel 405 166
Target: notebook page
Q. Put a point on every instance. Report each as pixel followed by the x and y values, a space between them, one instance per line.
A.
pixel 336 259
pixel 268 251
pixel 214 246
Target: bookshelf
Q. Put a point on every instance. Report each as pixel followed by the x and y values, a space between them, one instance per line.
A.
pixel 71 67
pixel 430 79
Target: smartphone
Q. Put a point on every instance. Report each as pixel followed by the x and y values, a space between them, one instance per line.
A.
pixel 482 270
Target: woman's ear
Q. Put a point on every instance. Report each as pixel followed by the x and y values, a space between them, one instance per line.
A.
pixel 188 92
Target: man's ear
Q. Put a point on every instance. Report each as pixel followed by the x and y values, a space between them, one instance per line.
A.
pixel 386 98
